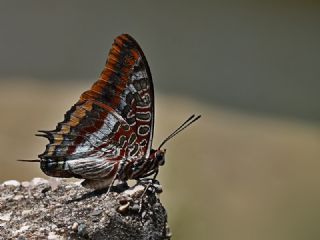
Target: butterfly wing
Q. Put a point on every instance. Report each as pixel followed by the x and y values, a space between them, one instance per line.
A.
pixel 111 122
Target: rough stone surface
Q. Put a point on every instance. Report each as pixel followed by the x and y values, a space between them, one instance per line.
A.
pixel 36 210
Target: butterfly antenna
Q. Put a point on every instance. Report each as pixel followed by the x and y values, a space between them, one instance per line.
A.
pixel 32 160
pixel 183 126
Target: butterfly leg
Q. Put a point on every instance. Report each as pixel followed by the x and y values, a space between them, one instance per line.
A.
pixel 156 174
pixel 117 175
pixel 112 182
pixel 150 184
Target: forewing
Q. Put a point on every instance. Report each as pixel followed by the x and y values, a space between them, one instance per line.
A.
pixel 126 86
pixel 114 119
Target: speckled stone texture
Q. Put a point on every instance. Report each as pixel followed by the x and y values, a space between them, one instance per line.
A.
pixel 58 210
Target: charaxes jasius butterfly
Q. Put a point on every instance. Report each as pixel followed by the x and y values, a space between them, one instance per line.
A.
pixel 108 133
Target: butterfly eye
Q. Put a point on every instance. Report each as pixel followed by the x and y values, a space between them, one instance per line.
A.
pixel 160 157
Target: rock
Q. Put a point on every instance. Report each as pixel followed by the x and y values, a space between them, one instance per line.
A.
pixel 26 212
pixel 25 184
pixel 135 207
pixel 38 181
pixel 6 217
pixel 13 183
pixel 73 212
pixel 7 197
pixel 23 228
pixel 75 226
pixel 135 191
pixel 53 227
pixel 53 236
pixel 96 212
pixel 17 197
pixel 82 230
pixel 54 183
pixel 123 208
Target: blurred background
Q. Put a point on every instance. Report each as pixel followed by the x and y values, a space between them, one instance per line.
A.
pixel 249 169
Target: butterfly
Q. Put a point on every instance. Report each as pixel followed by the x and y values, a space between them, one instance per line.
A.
pixel 107 134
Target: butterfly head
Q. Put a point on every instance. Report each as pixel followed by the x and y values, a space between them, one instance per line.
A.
pixel 159 156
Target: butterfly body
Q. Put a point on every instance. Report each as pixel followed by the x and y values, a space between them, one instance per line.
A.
pixel 108 133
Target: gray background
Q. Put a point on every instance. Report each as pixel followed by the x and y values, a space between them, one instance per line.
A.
pixel 254 56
